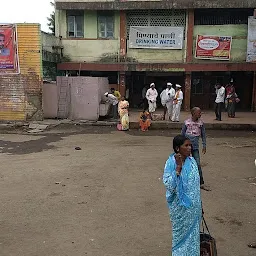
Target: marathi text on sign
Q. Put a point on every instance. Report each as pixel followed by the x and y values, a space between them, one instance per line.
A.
pixel 156 37
pixel 213 47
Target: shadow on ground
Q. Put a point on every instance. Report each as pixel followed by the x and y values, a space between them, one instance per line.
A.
pixel 59 133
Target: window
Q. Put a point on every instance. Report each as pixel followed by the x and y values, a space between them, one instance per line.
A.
pixel 75 24
pixel 197 86
pixel 222 16
pixel 105 25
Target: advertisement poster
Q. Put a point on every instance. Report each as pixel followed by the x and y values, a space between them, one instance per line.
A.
pixel 213 47
pixel 156 37
pixel 251 40
pixel 8 52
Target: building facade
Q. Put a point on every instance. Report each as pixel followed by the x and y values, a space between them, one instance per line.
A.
pixel 194 43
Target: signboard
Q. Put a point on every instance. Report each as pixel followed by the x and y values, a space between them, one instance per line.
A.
pixel 251 40
pixel 156 37
pixel 8 49
pixel 213 47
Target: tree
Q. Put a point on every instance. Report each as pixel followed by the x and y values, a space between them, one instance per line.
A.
pixel 51 19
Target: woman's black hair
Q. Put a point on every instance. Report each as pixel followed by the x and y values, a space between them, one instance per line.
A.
pixel 178 141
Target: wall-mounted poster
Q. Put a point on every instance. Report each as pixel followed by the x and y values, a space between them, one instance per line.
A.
pixel 8 49
pixel 251 40
pixel 213 47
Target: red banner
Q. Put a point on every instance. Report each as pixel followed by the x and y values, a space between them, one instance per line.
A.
pixel 8 53
pixel 213 47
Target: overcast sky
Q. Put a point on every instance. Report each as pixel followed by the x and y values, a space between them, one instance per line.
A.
pixel 29 11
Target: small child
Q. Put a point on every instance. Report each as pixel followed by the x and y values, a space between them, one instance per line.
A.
pixel 144 121
pixel 193 128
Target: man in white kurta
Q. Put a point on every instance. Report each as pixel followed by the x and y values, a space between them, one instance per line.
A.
pixel 177 102
pixel 151 96
pixel 167 97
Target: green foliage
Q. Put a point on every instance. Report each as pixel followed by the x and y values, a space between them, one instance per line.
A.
pixel 51 20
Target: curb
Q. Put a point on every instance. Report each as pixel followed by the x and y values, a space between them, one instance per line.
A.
pixel 156 125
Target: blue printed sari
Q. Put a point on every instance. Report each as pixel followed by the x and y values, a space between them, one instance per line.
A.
pixel 184 202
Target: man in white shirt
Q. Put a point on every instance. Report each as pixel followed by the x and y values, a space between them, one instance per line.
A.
pixel 219 101
pixel 167 97
pixel 151 96
pixel 177 102
pixel 114 103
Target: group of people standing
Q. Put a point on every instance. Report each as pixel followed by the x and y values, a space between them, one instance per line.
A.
pixel 228 97
pixel 171 100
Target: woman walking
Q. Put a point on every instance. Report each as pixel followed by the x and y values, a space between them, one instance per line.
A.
pixel 182 182
pixel 124 115
pixel 232 100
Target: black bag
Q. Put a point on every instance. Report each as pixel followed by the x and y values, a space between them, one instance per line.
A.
pixel 207 242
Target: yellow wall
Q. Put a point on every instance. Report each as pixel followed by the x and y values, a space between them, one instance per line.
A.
pixel 29 48
pixel 239 41
pixel 20 94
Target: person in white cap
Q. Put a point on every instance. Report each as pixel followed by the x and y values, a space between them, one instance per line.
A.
pixel 167 97
pixel 177 102
pixel 151 96
pixel 114 103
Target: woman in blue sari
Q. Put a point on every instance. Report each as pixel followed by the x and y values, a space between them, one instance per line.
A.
pixel 182 182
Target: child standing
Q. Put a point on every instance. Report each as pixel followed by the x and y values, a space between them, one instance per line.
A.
pixel 193 128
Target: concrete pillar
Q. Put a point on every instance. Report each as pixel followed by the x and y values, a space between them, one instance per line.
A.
pixel 122 86
pixel 190 32
pixel 122 57
pixel 122 36
pixel 187 91
pixel 254 93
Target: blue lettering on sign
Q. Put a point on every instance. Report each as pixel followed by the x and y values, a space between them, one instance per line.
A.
pixel 147 41
pixel 168 42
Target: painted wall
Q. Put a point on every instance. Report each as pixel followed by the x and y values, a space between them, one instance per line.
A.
pixel 89 48
pixel 156 56
pixel 21 94
pixel 239 41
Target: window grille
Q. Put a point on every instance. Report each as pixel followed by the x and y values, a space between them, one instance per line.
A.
pixel 161 18
pixel 222 16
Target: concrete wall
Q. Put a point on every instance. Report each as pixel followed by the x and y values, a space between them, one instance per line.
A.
pixel 239 42
pixel 50 100
pixel 50 42
pixel 89 48
pixel 21 94
pixel 83 99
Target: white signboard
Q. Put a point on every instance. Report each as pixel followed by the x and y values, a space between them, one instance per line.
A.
pixel 156 37
pixel 251 40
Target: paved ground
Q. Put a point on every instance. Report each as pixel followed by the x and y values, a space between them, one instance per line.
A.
pixel 108 199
